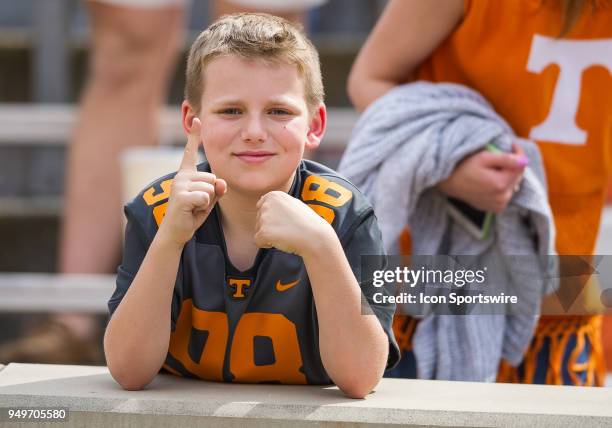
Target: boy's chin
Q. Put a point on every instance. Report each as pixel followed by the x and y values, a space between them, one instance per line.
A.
pixel 260 186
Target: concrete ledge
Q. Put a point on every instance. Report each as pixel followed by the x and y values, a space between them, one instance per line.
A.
pixel 95 400
pixel 26 292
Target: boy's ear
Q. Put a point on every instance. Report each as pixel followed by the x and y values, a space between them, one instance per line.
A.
pixel 188 114
pixel 316 130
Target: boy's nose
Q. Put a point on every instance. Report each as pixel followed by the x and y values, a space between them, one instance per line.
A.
pixel 253 130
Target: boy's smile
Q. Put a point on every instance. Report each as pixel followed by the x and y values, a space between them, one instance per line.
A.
pixel 254 156
pixel 256 122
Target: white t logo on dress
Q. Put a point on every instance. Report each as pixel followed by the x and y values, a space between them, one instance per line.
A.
pixel 572 57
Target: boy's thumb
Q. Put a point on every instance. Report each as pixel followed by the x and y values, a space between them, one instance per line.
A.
pixel 220 187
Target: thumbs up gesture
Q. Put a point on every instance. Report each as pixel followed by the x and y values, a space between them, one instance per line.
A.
pixel 193 193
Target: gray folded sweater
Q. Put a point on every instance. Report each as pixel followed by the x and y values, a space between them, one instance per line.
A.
pixel 403 145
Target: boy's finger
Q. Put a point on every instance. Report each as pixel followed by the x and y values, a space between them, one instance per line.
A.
pixel 262 241
pixel 220 187
pixel 201 176
pixel 198 200
pixel 201 186
pixel 190 156
pixel 261 201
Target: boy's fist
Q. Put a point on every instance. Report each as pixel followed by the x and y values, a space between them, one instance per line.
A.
pixel 193 193
pixel 288 224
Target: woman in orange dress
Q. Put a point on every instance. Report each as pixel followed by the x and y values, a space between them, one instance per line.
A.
pixel 546 67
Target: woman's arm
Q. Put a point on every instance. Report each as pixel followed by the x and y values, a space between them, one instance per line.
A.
pixel 407 32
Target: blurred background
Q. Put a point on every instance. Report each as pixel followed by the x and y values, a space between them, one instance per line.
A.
pixel 44 47
pixel 44 51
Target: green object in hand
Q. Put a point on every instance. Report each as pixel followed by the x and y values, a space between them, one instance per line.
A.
pixel 490 217
pixel 493 148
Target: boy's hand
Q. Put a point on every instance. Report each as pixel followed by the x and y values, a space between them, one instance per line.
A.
pixel 193 193
pixel 487 180
pixel 288 224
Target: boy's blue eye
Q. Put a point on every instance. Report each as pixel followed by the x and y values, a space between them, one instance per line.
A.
pixel 230 111
pixel 279 111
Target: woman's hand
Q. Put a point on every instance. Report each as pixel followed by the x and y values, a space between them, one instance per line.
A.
pixel 487 180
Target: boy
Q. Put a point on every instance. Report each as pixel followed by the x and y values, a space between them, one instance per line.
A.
pixel 250 275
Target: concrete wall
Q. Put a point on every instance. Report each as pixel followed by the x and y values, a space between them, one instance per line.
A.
pixel 95 400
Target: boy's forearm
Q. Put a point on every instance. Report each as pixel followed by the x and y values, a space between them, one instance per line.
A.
pixel 353 346
pixel 137 336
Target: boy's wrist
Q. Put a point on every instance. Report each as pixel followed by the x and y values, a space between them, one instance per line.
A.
pixel 320 244
pixel 164 240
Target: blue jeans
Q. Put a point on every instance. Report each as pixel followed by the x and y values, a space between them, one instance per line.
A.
pixel 406 368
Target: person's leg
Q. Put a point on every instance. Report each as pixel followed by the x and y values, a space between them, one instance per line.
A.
pixel 226 7
pixel 134 51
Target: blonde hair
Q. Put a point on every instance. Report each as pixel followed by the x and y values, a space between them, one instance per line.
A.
pixel 254 36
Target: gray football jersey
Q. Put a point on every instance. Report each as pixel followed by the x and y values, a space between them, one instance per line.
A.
pixel 258 325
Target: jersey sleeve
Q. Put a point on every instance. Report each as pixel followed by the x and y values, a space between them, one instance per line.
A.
pixel 135 248
pixel 364 238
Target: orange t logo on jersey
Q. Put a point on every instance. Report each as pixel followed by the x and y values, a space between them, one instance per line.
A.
pixel 238 287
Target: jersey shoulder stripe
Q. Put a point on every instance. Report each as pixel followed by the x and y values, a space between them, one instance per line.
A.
pixel 332 196
pixel 149 206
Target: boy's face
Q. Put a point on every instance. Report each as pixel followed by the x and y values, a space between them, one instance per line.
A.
pixel 255 123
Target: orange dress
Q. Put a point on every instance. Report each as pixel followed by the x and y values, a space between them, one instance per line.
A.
pixel 556 91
